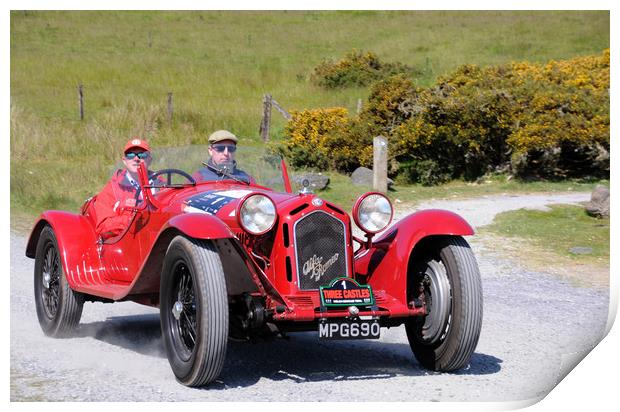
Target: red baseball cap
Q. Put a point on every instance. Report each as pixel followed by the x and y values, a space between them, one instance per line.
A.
pixel 142 144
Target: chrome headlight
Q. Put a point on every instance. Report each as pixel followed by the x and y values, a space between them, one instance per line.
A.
pixel 372 212
pixel 257 214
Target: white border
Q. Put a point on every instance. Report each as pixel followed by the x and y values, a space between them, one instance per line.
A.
pixel 590 386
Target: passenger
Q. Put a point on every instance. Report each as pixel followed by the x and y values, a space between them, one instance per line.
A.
pixel 222 148
pixel 122 193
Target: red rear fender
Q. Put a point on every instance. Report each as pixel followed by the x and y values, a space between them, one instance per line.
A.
pixel 385 263
pixel 76 240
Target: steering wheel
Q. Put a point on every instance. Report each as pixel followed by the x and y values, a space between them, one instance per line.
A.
pixel 169 173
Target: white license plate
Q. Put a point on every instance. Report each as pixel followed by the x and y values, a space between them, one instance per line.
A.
pixel 349 329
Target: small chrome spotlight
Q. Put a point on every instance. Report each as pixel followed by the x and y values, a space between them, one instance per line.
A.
pixel 354 310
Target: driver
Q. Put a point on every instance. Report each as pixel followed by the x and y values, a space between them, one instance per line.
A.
pixel 113 204
pixel 222 148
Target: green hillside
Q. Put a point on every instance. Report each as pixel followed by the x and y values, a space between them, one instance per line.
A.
pixel 218 65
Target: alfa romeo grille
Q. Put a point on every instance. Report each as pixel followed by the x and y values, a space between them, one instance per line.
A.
pixel 321 250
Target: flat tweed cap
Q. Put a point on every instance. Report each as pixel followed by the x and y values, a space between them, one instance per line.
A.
pixel 222 135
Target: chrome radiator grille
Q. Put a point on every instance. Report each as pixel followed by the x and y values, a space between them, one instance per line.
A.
pixel 321 250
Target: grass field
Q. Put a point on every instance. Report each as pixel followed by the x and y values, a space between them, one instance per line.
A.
pixel 218 65
pixel 557 231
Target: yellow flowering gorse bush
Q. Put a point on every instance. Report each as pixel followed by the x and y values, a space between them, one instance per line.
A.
pixel 315 138
pixel 546 120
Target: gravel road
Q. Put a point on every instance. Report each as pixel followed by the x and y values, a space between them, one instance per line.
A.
pixel 535 325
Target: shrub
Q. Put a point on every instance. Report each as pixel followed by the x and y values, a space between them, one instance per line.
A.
pixel 564 124
pixel 390 103
pixel 453 132
pixel 548 120
pixel 426 172
pixel 357 68
pixel 314 139
pixel 538 120
pixel 559 114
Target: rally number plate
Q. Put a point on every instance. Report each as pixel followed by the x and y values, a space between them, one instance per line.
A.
pixel 349 329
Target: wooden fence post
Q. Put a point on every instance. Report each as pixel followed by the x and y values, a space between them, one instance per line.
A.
pixel 379 168
pixel 279 108
pixel 170 110
pixel 266 122
pixel 81 101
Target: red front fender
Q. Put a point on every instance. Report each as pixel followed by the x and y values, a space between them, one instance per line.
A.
pixel 194 225
pixel 77 243
pixel 385 264
pixel 200 226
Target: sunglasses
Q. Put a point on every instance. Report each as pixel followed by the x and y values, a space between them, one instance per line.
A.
pixel 139 155
pixel 221 147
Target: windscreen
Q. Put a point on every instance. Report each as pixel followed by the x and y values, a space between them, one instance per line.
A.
pixel 258 163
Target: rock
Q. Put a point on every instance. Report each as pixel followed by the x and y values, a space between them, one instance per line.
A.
pixel 580 250
pixel 363 176
pixel 599 202
pixel 317 181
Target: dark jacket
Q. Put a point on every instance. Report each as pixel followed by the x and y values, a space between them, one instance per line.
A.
pixel 206 174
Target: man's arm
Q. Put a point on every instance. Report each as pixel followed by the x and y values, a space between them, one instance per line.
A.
pixel 111 220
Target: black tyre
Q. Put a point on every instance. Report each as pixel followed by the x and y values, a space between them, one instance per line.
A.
pixel 194 311
pixel 446 337
pixel 59 308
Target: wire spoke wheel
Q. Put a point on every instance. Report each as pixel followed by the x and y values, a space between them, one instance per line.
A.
pixel 183 311
pixel 51 282
pixel 59 308
pixel 194 310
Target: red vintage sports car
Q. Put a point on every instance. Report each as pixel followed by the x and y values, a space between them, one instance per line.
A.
pixel 232 259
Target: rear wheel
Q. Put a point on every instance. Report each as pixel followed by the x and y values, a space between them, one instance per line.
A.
pixel 448 275
pixel 194 311
pixel 59 308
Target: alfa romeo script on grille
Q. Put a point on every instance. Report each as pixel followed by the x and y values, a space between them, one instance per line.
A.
pixel 320 242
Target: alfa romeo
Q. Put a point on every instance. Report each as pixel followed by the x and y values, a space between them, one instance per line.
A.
pixel 233 259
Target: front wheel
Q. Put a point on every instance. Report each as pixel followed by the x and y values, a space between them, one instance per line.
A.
pixel 448 276
pixel 194 311
pixel 59 308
